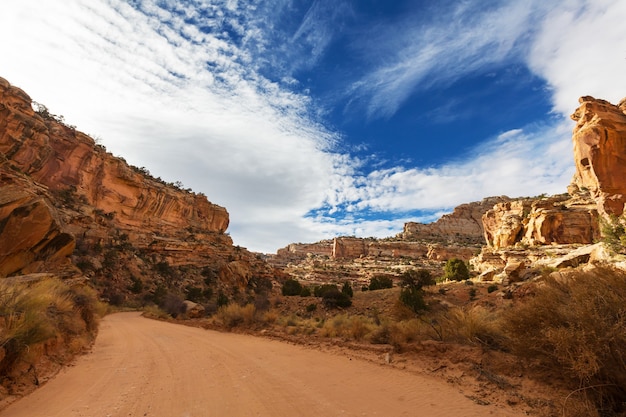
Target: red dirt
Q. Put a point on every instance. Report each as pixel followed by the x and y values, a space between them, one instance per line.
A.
pixel 142 367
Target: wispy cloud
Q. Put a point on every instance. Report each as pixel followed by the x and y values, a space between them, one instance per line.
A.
pixel 196 91
pixel 515 163
pixel 454 43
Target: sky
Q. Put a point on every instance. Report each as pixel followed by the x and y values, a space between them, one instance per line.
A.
pixel 310 119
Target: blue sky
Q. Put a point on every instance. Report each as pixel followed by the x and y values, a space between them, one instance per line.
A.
pixel 313 119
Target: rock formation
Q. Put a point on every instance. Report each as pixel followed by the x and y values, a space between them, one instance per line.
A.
pixel 541 221
pixel 31 235
pixel 64 198
pixel 463 225
pixel 65 160
pixel 600 152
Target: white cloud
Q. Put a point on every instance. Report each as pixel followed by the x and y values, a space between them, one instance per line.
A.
pixel 188 101
pixel 581 50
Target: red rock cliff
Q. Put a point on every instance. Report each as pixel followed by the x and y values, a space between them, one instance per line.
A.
pixel 69 207
pixel 62 158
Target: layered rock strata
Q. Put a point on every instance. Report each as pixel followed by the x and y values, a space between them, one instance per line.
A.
pixel 463 225
pixel 62 194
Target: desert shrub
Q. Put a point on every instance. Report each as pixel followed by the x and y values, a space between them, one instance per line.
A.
pixel 456 270
pixel 193 293
pixel 413 298
pixel 262 302
pixel 492 288
pixel 164 269
pixel 417 278
pixel 320 290
pixel 234 315
pixel 222 299
pixel 380 335
pixel 614 233
pixel 380 282
pixel 576 326
pixel 306 292
pixel 173 304
pixel 291 287
pixel 311 308
pixel 472 293
pixel 154 311
pixel 136 285
pixel 348 327
pixel 335 299
pixel 347 289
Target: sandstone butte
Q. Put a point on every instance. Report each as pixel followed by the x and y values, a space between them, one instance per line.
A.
pixel 64 200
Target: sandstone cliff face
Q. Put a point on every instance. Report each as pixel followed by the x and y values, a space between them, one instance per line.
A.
pixel 600 152
pixel 31 235
pixel 63 159
pixel 543 221
pixel 463 225
pixel 64 198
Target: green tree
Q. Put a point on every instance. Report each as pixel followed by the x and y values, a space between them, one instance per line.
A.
pixel 416 278
pixel 380 282
pixel 456 270
pixel 291 287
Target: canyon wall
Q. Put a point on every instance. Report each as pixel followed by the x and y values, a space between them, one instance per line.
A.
pixel 70 207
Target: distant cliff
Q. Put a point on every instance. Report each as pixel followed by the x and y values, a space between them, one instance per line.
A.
pixel 67 205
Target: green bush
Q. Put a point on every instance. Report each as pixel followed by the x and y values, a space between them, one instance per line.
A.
pixel 311 308
pixel 456 270
pixel 492 288
pixel 614 233
pixel 347 289
pixel 417 278
pixel 333 299
pixel 380 282
pixel 306 292
pixel 413 298
pixel 320 290
pixel 291 287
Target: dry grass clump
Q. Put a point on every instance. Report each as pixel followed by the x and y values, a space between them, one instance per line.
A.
pixel 233 315
pixel 347 327
pixel 34 313
pixel 576 326
pixel 475 325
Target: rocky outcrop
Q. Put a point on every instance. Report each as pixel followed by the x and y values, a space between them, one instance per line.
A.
pixel 463 225
pixel 541 221
pixel 65 198
pixel 600 152
pixel 69 162
pixel 31 235
pixel 295 251
pixel 349 247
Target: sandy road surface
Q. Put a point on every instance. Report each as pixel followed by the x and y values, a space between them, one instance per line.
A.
pixel 142 367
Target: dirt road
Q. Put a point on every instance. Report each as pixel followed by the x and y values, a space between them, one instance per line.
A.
pixel 142 367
